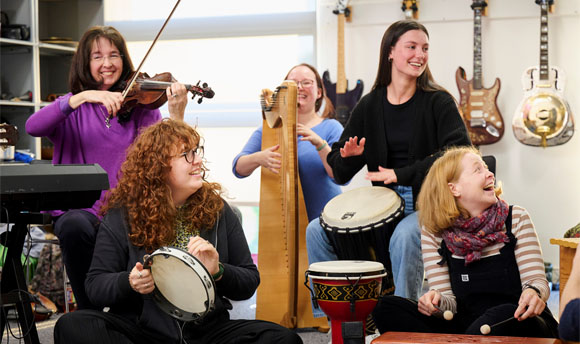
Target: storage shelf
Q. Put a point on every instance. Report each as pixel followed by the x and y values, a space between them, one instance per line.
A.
pixel 16 42
pixel 56 49
pixel 38 65
pixel 15 103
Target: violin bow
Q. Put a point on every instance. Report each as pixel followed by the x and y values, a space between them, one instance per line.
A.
pixel 134 78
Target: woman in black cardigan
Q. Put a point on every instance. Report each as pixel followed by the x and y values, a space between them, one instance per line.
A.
pixel 163 199
pixel 397 131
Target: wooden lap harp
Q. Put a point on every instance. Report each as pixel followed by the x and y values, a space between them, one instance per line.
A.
pixel 282 256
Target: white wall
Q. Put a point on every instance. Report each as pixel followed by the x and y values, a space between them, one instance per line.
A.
pixel 544 181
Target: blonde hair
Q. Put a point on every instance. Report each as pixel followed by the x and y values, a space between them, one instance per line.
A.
pixel 437 206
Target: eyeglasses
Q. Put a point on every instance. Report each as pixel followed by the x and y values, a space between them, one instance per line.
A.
pixel 306 83
pixel 100 58
pixel 191 154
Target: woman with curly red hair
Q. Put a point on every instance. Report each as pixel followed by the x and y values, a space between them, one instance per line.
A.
pixel 163 199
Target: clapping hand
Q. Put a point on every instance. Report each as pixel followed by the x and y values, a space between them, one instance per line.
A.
pixel 352 148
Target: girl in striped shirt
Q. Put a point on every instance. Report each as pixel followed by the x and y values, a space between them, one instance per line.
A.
pixel 482 259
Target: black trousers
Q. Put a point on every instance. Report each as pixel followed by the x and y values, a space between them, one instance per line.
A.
pixel 77 232
pixel 395 313
pixel 96 327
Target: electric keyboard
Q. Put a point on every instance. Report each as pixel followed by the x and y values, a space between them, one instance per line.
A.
pixel 38 187
pixel 25 191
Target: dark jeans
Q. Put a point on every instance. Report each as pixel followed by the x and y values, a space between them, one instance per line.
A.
pixel 95 327
pixel 394 313
pixel 77 232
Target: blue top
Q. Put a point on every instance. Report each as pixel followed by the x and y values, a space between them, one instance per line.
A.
pixel 317 186
pixel 569 327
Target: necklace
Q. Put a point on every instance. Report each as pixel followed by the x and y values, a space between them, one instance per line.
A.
pixel 107 118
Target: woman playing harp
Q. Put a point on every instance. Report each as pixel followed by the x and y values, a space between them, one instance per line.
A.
pixel 316 134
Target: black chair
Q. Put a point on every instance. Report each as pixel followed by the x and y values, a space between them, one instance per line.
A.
pixel 490 162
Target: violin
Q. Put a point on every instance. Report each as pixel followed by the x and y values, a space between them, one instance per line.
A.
pixel 142 90
pixel 149 92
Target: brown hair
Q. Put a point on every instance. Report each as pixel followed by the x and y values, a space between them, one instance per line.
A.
pixel 437 206
pixel 328 107
pixel 80 78
pixel 143 191
pixel 425 81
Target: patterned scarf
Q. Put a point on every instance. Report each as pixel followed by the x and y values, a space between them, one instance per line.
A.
pixel 467 237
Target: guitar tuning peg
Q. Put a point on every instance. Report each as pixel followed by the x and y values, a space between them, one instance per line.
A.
pixel 204 85
pixel 200 100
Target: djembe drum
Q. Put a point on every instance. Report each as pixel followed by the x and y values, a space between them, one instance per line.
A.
pixel 346 290
pixel 359 224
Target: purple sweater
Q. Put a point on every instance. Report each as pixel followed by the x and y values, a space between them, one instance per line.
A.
pixel 81 137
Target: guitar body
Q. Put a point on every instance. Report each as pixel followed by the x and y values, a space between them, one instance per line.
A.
pixel 479 110
pixel 343 102
pixel 543 117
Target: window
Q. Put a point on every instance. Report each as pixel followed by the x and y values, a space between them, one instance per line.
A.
pixel 237 48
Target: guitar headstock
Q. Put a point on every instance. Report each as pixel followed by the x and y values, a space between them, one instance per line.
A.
pixel 203 91
pixel 549 3
pixel 545 2
pixel 342 8
pixel 8 135
pixel 479 5
pixel 411 9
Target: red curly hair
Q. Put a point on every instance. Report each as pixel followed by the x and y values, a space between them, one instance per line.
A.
pixel 143 192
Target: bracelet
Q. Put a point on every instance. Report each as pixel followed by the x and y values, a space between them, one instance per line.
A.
pixel 324 143
pixel 529 286
pixel 220 272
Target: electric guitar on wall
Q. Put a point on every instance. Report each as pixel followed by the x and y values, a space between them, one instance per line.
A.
pixel 478 104
pixel 343 100
pixel 543 118
pixel 411 9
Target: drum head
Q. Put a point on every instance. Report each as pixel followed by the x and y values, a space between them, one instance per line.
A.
pixel 362 208
pixel 343 269
pixel 183 287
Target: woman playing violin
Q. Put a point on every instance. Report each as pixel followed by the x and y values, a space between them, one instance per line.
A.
pixel 84 127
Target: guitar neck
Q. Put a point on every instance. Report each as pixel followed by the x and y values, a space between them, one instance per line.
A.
pixel 341 77
pixel 477 72
pixel 544 70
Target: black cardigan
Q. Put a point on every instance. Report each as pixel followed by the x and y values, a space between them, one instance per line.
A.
pixel 437 125
pixel 107 283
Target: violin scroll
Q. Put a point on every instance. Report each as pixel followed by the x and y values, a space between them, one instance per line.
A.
pixel 203 92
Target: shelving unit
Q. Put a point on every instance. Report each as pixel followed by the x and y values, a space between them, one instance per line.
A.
pixel 36 66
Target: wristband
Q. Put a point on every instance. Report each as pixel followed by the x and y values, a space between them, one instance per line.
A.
pixel 220 272
pixel 324 143
pixel 529 286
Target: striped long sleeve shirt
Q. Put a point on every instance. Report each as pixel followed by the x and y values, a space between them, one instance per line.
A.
pixel 527 251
